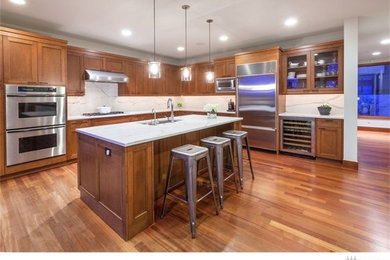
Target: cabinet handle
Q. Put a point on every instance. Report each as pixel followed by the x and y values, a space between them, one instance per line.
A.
pixel 306 90
pixel 44 83
pixel 322 128
pixel 31 82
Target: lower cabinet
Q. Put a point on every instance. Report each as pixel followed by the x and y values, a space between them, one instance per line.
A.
pixel 71 137
pixel 329 138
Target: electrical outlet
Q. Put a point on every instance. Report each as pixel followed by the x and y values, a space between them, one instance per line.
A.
pixel 107 151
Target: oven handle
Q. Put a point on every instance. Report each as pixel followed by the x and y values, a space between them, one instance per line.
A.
pixel 34 129
pixel 29 95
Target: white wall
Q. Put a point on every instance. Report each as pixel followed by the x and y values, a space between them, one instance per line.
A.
pixel 374 123
pixel 350 88
pixel 100 94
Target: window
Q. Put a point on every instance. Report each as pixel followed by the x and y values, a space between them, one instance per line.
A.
pixel 374 90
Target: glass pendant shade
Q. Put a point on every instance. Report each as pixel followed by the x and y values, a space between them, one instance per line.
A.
pixel 154 70
pixel 185 74
pixel 210 77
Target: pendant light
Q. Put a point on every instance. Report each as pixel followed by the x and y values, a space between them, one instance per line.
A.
pixel 154 66
pixel 185 71
pixel 210 72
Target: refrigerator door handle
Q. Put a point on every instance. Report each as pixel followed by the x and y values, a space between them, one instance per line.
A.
pixel 259 128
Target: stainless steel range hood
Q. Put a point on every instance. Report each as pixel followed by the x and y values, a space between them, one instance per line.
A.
pixel 104 76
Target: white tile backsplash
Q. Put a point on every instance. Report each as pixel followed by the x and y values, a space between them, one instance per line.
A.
pixel 106 94
pixel 308 104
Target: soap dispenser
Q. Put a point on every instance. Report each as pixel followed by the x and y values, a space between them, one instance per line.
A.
pixel 231 105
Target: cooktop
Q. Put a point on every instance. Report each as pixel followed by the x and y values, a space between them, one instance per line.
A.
pixel 103 114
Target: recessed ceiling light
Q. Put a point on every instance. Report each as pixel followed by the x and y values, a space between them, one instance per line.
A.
pixel 126 32
pixel 223 38
pixel 291 22
pixel 180 48
pixel 18 2
pixel 385 41
pixel 376 53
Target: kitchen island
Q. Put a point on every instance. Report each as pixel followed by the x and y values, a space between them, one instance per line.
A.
pixel 122 167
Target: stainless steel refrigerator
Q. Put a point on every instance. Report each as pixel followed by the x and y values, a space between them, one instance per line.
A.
pixel 256 103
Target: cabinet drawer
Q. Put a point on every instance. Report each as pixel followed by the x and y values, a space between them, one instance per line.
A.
pixel 329 122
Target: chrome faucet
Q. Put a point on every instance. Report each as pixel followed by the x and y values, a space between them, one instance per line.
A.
pixel 154 121
pixel 170 105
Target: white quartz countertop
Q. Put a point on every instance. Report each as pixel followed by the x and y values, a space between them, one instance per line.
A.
pixel 127 134
pixel 312 115
pixel 141 112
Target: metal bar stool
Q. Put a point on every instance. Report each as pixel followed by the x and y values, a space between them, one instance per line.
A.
pixel 239 136
pixel 191 154
pixel 218 144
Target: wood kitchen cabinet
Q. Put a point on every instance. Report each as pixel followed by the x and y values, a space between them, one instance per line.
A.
pixel 224 67
pixel 189 87
pixel 202 87
pixel 71 136
pixel 171 80
pixel 329 138
pixel 75 72
pixel 96 61
pixel 29 59
pixel 314 69
pixel 93 62
pixel 1 60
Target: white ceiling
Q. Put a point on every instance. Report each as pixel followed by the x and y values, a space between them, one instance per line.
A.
pixel 246 22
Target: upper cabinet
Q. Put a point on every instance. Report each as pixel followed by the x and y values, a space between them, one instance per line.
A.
pixel 202 87
pixel 313 69
pixel 75 71
pixel 1 59
pixel 224 67
pixel 33 59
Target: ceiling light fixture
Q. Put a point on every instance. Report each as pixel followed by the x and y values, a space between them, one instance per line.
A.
pixel 376 53
pixel 154 66
pixel 223 38
pixel 210 72
pixel 185 71
pixel 18 2
pixel 385 41
pixel 180 48
pixel 126 32
pixel 290 22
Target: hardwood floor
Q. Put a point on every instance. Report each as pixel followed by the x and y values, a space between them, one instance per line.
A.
pixel 294 204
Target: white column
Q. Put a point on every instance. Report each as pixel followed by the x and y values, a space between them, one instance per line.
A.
pixel 350 88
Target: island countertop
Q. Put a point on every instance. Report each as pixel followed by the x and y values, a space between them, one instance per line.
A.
pixel 132 133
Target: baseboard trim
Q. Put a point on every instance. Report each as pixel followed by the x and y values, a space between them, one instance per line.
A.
pixel 350 165
pixel 376 129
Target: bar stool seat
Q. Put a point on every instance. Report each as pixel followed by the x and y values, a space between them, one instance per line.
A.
pixel 238 137
pixel 191 154
pixel 217 144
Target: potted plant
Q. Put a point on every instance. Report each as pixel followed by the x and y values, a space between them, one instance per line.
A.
pixel 324 109
pixel 211 110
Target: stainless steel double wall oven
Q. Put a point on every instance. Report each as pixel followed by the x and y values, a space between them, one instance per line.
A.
pixel 35 122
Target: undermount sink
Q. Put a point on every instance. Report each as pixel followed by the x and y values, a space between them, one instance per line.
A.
pixel 160 121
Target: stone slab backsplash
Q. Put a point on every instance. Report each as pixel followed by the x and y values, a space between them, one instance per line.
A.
pixel 307 104
pixel 106 94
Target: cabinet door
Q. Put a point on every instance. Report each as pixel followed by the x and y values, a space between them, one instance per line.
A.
pixel 20 61
pixel 126 89
pixel 329 139
pixel 141 80
pixel 75 70
pixel 1 59
pixel 296 73
pixel 114 65
pixel 327 70
pixel 201 85
pixel 51 64
pixel 171 80
pixel 219 69
pixel 93 62
pixel 71 137
pixel 231 67
pixel 111 173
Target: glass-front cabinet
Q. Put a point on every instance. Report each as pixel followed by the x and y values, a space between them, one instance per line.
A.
pixel 313 69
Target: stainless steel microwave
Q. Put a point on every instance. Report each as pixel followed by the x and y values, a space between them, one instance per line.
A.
pixel 225 85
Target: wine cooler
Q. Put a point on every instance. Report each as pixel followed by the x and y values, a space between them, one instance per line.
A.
pixel 297 135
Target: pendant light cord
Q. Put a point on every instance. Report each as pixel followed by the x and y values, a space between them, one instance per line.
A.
pixel 185 30
pixel 154 30
pixel 209 42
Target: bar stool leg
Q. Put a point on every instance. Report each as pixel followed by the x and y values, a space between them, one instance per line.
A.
pixel 191 174
pixel 219 155
pixel 233 171
pixel 211 183
pixel 239 157
pixel 249 156
pixel 167 185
